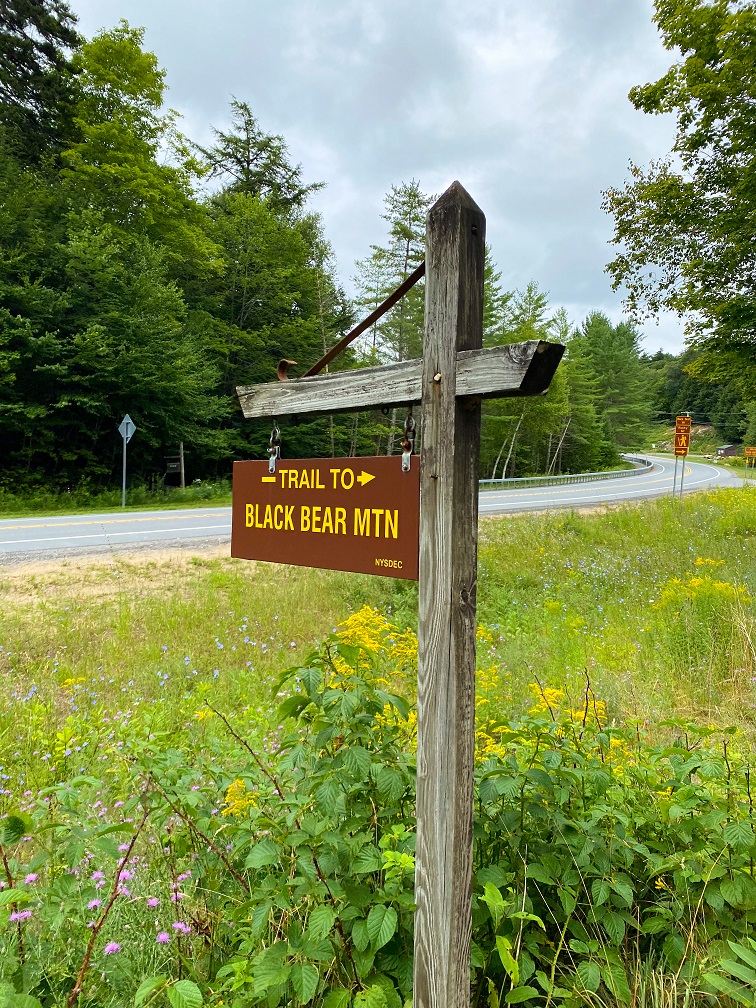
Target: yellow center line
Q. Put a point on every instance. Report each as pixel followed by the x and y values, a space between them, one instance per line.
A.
pixel 109 521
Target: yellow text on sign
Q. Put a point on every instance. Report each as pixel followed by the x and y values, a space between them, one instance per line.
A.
pixel 312 479
pixel 378 523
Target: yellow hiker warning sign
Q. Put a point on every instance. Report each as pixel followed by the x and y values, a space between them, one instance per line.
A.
pixel 356 514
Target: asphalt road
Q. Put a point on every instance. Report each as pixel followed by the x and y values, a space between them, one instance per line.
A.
pixel 23 539
pixel 656 483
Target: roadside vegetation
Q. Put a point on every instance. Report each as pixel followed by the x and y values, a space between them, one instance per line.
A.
pixel 83 499
pixel 207 772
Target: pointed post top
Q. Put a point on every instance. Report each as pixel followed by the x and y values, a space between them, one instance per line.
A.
pixel 455 195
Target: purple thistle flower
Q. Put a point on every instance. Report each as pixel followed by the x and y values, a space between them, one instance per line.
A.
pixel 124 876
pixel 110 948
pixel 163 938
pixel 180 926
pixel 31 877
pixel 153 901
pixel 93 903
pixel 20 915
pixel 97 875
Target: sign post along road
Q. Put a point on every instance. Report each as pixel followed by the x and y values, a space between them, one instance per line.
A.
pixel 453 376
pixel 682 435
pixel 682 444
pixel 360 515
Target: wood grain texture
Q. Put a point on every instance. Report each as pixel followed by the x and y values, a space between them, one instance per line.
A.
pixel 455 245
pixel 516 369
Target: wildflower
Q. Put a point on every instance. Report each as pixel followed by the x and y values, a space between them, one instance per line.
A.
pixel 153 901
pixel 110 948
pixel 180 926
pixel 163 938
pixel 238 799
pixel 124 876
pixel 94 903
pixel 97 875
pixel 20 915
pixel 31 877
pixel 123 847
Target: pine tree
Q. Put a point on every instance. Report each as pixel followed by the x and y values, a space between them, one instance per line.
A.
pixel 36 75
pixel 399 334
pixel 248 160
pixel 625 388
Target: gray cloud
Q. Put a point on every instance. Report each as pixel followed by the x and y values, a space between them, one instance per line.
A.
pixel 526 104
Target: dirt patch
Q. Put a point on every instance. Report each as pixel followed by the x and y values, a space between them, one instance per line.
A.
pixel 143 571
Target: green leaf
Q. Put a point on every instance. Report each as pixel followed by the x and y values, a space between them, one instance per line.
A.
pixel 184 994
pixel 494 901
pixel 320 922
pixel 727 986
pixel 520 994
pixel 14 828
pixel 739 835
pixel 540 777
pixel 14 896
pixel 503 946
pixel 732 890
pixel 358 762
pixel 746 954
pixel 337 998
pixel 381 925
pixel 615 980
pixel 590 976
pixel 304 978
pixel 600 891
pixel 540 874
pixel 21 1001
pixel 653 925
pixel 147 987
pixel 263 853
pixel 614 926
pixel 372 997
pixel 625 892
pixel 368 860
pixel 293 706
pixel 743 973
pixel 360 936
pixel 312 680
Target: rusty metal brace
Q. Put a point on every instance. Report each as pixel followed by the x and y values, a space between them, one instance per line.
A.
pixel 343 343
pixel 408 441
pixel 274 447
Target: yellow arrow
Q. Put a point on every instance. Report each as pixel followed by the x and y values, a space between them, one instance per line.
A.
pixel 364 478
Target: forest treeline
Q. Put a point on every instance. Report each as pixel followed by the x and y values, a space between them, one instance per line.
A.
pixel 143 273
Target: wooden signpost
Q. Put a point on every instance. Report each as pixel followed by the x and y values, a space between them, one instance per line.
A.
pixel 449 383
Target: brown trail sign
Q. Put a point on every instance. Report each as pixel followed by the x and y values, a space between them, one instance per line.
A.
pixel 449 382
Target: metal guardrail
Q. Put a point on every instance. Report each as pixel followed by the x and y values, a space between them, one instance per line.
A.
pixel 642 465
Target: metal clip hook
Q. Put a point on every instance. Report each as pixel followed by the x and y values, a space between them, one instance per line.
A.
pixel 274 449
pixel 408 441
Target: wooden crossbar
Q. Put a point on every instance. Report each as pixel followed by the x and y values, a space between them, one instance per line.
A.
pixel 518 369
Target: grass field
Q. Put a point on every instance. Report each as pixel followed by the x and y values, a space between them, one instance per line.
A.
pixel 648 610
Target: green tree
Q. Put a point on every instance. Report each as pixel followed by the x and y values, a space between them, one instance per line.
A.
pixel 399 334
pixel 622 380
pixel 36 75
pixel 248 160
pixel 686 225
pixel 116 164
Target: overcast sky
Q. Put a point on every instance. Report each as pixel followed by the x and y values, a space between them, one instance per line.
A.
pixel 524 102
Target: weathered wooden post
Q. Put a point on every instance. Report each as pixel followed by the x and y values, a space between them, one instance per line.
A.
pixel 272 520
pixel 446 626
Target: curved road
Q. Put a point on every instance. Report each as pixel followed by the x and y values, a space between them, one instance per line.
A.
pixel 656 483
pixel 23 539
